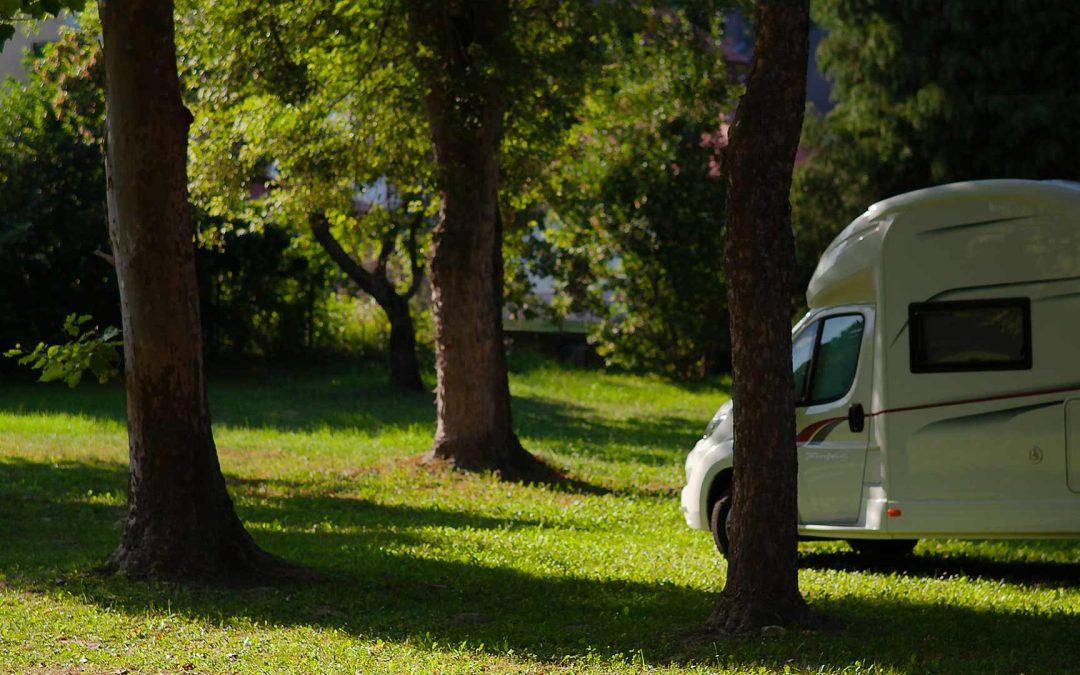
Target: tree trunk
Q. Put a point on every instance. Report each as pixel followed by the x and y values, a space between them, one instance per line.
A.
pixel 466 45
pixel 180 522
pixel 762 581
pixel 404 368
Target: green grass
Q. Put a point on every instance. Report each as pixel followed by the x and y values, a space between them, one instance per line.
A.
pixel 431 571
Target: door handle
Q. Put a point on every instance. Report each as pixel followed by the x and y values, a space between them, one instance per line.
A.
pixel 856 418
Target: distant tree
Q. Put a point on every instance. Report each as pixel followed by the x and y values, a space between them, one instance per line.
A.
pixel 329 117
pixel 633 234
pixel 762 582
pixel 180 522
pixel 932 92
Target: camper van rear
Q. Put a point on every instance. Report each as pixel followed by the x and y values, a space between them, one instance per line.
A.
pixel 937 383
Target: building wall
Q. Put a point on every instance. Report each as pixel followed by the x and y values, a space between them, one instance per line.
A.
pixel 12 54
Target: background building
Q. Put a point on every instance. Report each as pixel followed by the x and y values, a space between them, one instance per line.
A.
pixel 39 33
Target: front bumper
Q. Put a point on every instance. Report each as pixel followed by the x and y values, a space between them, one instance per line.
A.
pixel 699 476
pixel 690 510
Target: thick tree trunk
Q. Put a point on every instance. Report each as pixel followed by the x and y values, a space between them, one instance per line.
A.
pixel 762 583
pixel 464 104
pixel 180 523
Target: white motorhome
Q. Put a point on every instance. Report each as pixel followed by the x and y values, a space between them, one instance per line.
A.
pixel 937 375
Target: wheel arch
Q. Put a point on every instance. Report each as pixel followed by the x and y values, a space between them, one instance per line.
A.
pixel 720 482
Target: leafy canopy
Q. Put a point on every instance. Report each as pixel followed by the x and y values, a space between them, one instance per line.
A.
pixel 633 228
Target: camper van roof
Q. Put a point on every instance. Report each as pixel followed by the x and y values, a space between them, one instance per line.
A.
pixel 845 274
pixel 976 188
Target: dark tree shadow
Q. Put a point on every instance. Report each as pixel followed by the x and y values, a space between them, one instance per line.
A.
pixel 95 401
pixel 398 573
pixel 354 396
pixel 577 430
pixel 933 566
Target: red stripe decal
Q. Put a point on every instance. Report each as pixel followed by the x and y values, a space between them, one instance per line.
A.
pixel 808 433
pixel 826 430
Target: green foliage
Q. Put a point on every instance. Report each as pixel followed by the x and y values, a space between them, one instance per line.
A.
pixel 317 103
pixel 353 326
pixel 635 231
pixel 87 350
pixel 934 91
pixel 71 74
pixel 263 293
pixel 52 215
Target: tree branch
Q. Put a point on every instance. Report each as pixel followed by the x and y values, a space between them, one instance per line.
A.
pixel 320 228
pixel 105 256
pixel 386 249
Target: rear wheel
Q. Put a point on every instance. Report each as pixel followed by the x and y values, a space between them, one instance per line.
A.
pixel 883 549
pixel 720 522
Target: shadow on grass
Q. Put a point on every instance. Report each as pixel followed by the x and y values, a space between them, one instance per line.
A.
pixel 577 430
pixel 97 401
pixel 395 573
pixel 934 566
pixel 353 396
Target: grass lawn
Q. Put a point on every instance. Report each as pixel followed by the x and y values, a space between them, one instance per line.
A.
pixel 431 571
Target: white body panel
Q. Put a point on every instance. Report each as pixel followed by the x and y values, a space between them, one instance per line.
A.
pixel 972 452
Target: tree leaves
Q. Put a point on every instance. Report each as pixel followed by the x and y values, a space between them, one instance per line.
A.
pixel 88 350
pixel 634 234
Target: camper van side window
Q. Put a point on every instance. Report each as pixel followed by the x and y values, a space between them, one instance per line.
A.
pixel 837 358
pixel 970 335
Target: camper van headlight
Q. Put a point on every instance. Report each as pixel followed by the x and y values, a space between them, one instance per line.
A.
pixel 716 421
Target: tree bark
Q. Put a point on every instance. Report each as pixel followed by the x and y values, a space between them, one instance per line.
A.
pixel 762 578
pixel 404 367
pixel 180 524
pixel 461 66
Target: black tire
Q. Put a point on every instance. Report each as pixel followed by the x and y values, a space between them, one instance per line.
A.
pixel 883 549
pixel 720 521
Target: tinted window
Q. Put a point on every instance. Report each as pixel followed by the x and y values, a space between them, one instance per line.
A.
pixel 837 358
pixel 970 335
pixel 802 348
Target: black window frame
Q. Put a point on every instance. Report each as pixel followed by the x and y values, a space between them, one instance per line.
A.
pixel 800 402
pixel 916 336
pixel 803 401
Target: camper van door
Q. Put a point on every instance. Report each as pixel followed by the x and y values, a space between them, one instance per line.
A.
pixel 832 360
